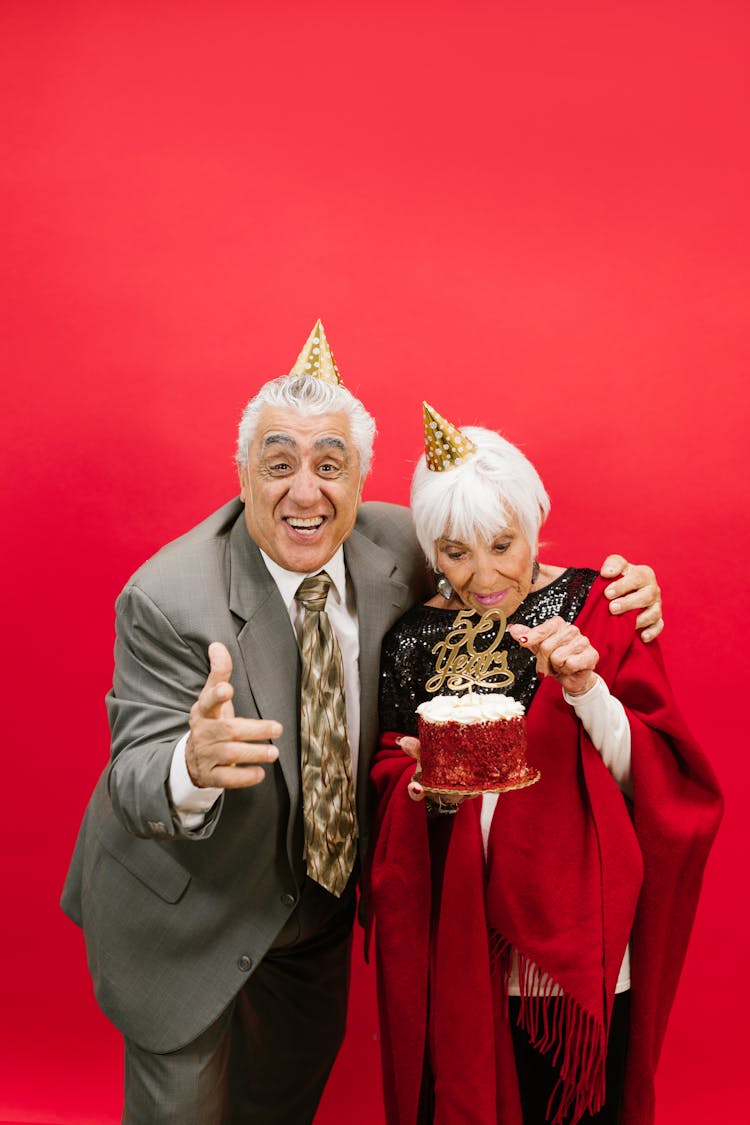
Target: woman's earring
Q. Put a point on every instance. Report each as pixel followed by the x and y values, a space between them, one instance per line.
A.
pixel 444 587
pixel 534 572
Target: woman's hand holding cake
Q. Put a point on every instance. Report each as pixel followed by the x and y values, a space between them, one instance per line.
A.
pixel 561 651
pixel 411 747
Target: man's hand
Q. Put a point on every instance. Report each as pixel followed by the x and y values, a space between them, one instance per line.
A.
pixel 223 750
pixel 635 588
pixel 561 651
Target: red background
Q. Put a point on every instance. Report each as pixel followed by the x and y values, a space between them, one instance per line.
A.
pixel 534 214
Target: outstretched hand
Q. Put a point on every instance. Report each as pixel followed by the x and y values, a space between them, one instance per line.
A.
pixel 223 750
pixel 635 587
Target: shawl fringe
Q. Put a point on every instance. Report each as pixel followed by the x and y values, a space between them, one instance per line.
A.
pixel 576 1041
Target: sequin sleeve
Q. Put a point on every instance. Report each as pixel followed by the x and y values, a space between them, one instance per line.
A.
pixel 400 672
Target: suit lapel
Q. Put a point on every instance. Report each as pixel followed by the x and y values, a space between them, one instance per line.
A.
pixel 381 599
pixel 268 646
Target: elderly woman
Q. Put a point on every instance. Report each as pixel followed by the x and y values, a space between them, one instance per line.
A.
pixel 529 944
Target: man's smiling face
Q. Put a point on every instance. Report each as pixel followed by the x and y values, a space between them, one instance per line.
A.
pixel 301 486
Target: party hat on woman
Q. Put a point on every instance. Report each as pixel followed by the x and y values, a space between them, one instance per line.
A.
pixel 445 447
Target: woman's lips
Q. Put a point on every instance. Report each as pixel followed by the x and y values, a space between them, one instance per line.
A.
pixel 490 599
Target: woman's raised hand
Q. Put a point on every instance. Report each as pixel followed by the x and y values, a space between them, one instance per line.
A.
pixel 561 651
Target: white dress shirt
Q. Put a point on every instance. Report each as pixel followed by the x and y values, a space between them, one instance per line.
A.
pixel 190 802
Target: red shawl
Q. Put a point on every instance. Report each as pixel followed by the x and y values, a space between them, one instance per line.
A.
pixel 572 873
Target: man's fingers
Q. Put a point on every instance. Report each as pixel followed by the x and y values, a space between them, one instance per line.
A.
pixel 217 691
pixel 242 754
pixel 637 588
pixel 213 698
pixel 221 663
pixel 227 763
pixel 612 566
pixel 225 750
pixel 649 616
pixel 231 777
pixel 243 730
pixel 620 600
pixel 652 632
pixel 633 580
pixel 645 598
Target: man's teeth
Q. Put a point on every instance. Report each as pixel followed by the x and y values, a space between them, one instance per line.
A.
pixel 305 525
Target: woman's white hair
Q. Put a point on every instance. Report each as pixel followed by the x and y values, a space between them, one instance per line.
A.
pixel 309 395
pixel 479 498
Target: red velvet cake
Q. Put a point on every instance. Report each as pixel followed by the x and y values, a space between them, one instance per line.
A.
pixel 473 744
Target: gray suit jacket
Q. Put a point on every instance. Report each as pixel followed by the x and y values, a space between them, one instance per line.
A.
pixel 174 922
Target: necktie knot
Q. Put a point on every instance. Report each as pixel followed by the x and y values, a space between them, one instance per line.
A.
pixel 313 591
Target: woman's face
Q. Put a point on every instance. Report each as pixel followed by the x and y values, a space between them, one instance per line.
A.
pixel 494 575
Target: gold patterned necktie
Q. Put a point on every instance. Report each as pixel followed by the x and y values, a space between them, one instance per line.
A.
pixel 327 789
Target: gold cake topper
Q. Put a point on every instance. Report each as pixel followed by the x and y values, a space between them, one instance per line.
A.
pixel 460 664
pixel 316 358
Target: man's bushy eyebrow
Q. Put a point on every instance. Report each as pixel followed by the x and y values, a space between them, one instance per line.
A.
pixel 331 440
pixel 278 439
pixel 328 441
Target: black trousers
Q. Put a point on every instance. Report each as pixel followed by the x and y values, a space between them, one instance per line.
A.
pixel 266 1060
pixel 537 1076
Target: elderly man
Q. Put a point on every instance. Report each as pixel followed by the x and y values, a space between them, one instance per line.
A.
pixel 216 867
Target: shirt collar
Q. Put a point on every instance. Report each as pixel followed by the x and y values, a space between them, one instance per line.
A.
pixel 288 581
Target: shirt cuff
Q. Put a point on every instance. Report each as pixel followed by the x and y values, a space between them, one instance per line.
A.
pixel 189 802
pixel 597 692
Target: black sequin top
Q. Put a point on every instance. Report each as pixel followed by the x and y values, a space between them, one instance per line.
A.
pixel 407 661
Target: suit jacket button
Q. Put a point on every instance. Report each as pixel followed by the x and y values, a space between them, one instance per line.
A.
pixel 244 963
pixel 288 900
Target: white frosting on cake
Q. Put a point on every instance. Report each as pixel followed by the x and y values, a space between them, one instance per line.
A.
pixel 470 708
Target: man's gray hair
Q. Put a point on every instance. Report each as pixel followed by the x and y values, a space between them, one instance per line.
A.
pixel 479 498
pixel 309 395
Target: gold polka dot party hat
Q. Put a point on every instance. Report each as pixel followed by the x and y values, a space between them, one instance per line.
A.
pixel 445 447
pixel 316 358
